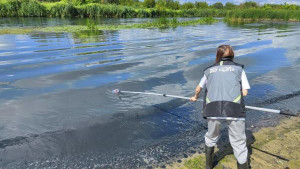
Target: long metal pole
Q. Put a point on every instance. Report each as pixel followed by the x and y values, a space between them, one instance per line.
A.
pixel 117 91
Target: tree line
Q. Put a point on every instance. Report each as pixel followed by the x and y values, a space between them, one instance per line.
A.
pixel 175 5
pixel 146 9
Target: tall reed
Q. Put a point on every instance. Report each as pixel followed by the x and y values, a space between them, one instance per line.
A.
pixel 62 10
pixel 261 14
pixel 22 8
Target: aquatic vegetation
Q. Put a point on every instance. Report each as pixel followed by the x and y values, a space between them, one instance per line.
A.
pixel 158 23
pixel 174 21
pixel 163 21
pixel 91 26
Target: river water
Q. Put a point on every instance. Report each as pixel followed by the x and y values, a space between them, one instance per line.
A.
pixel 57 109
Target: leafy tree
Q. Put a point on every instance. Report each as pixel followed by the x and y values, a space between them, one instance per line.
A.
pixel 175 5
pixel 149 3
pixel 188 5
pixel 250 4
pixel 200 5
pixel 92 1
pixel 49 0
pixel 267 6
pixel 229 5
pixel 161 4
pixel 109 1
pixel 170 4
pixel 126 2
pixel 137 3
pixel 289 6
pixel 75 2
pixel 218 5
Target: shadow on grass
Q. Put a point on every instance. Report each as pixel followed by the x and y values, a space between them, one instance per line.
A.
pixel 226 149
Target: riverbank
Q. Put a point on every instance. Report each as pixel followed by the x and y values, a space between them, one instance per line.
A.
pixel 262 15
pixel 274 147
pixel 92 27
pixel 34 8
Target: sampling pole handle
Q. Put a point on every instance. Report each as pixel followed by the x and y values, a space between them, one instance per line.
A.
pixel 117 91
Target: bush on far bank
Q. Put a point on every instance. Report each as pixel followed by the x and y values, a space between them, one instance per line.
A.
pixel 149 8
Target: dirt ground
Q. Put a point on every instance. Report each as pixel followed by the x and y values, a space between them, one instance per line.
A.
pixel 273 148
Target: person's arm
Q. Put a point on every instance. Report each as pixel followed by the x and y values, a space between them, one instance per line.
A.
pixel 198 89
pixel 197 92
pixel 245 84
pixel 245 92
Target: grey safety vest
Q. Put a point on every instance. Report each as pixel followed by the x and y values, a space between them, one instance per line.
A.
pixel 223 95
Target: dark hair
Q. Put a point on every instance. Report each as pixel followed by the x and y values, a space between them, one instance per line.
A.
pixel 224 51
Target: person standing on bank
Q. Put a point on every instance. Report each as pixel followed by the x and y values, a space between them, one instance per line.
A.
pixel 226 85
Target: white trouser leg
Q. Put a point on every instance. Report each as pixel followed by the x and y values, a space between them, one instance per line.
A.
pixel 237 137
pixel 213 134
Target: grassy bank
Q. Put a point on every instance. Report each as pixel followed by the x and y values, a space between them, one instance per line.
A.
pixel 68 8
pixel 91 26
pixel 261 14
pixel 275 147
pixel 33 8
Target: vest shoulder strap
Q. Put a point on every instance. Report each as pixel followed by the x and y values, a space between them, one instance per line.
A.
pixel 237 64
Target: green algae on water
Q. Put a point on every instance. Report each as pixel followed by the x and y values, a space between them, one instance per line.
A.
pixel 158 23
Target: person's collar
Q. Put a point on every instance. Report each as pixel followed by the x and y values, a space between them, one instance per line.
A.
pixel 226 59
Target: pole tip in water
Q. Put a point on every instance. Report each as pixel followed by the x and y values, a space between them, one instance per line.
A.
pixel 116 91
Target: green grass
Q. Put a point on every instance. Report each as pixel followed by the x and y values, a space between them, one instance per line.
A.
pixel 277 140
pixel 61 10
pixel 34 8
pixel 91 26
pixel 261 14
pixel 16 8
pixel 22 8
pixel 195 163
